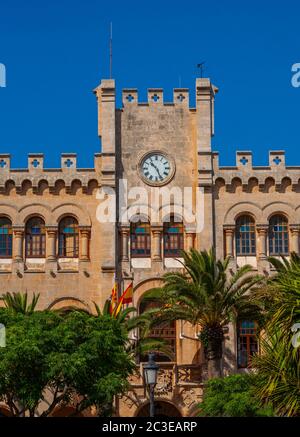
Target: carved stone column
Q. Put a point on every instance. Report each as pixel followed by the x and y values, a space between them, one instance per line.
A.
pixel 51 243
pixel 229 234
pixel 295 231
pixel 189 238
pixel 124 232
pixel 156 251
pixel 262 233
pixel 18 233
pixel 84 242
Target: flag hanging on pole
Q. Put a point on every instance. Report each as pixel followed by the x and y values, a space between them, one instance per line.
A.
pixel 114 298
pixel 128 294
pixel 126 298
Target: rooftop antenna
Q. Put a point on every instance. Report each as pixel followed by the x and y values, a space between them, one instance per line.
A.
pixel 201 67
pixel 110 52
pixel 179 81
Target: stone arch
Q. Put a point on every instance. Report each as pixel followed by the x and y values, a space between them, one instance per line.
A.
pixel 43 187
pixel 163 408
pixel 141 287
pixel 243 208
pixel 10 185
pixel 9 211
pixel 92 186
pixel 76 186
pixel 139 218
pixel 269 185
pixel 181 214
pixel 297 212
pixel 236 185
pixel 283 208
pixel 59 186
pixel 143 209
pixel 166 218
pixel 245 213
pixel 26 186
pixel 253 185
pixel 35 209
pixel 286 185
pixel 71 209
pixel 68 302
pixel 220 186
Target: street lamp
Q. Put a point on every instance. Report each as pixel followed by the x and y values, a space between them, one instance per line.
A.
pixel 150 374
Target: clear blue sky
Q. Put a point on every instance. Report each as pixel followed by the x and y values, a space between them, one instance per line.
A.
pixel 56 52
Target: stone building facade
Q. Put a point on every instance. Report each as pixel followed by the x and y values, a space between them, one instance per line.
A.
pixel 53 240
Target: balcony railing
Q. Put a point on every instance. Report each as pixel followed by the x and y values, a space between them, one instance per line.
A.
pixel 172 375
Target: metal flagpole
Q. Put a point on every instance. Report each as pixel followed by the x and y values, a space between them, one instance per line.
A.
pixel 110 52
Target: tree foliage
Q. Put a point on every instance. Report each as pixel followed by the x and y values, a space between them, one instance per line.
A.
pixel 75 359
pixel 18 302
pixel 232 396
pixel 278 364
pixel 206 294
pixel 138 328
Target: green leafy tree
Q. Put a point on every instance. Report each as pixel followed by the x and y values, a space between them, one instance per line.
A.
pixel 232 396
pixel 132 323
pixel 206 294
pixel 51 361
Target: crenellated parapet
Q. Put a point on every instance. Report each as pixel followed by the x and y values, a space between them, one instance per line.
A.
pixel 37 178
pixel 155 97
pixel 276 176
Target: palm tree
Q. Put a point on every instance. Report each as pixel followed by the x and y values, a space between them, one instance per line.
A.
pixel 18 302
pixel 277 379
pixel 278 365
pixel 143 343
pixel 205 294
pixel 283 293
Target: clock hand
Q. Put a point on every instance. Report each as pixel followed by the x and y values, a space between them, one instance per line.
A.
pixel 153 165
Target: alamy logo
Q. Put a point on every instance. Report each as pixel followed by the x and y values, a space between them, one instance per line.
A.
pixel 157 204
pixel 296 77
pixel 2 76
pixel 2 335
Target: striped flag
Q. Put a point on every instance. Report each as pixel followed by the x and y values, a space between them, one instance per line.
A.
pixel 114 298
pixel 126 298
pixel 128 294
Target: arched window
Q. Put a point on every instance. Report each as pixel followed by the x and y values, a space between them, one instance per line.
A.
pixel 140 240
pixel 35 238
pixel 68 242
pixel 247 342
pixel 278 235
pixel 173 238
pixel 5 238
pixel 165 331
pixel 245 236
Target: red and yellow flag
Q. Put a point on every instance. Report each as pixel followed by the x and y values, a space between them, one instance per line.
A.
pixel 125 298
pixel 114 298
pixel 128 294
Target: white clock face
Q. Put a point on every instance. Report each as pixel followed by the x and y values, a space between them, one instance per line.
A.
pixel 156 168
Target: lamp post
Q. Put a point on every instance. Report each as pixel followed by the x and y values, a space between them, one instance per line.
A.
pixel 150 374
